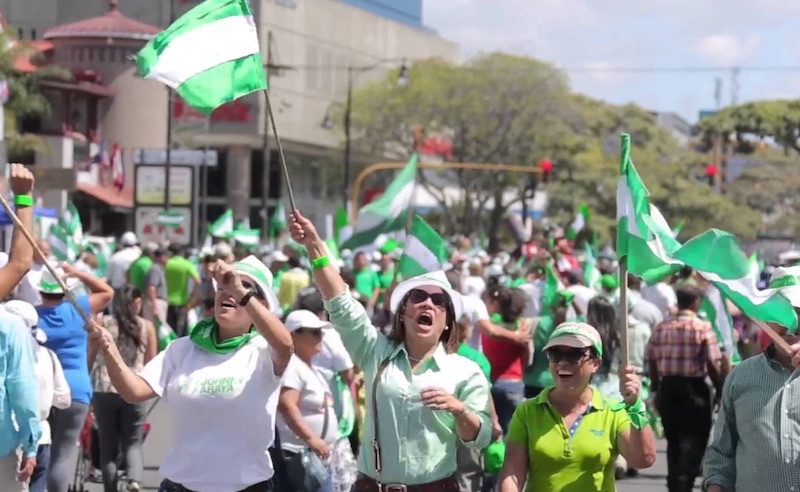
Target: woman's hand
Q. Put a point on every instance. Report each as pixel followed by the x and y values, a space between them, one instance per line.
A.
pixel 69 270
pixel 102 338
pixel 630 385
pixel 302 230
pixel 439 399
pixel 320 448
pixel 228 280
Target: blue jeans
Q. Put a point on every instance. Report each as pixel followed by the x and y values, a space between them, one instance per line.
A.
pixel 38 481
pixel 507 394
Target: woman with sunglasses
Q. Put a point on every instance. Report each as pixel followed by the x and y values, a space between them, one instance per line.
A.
pixel 422 397
pixel 221 385
pixel 568 437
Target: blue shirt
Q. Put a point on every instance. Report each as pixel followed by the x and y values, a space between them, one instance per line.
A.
pixel 20 395
pixel 67 337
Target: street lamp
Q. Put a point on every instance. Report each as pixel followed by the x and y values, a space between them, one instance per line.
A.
pixel 402 80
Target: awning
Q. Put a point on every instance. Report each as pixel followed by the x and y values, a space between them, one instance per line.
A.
pixel 111 196
pixel 82 87
pixel 5 220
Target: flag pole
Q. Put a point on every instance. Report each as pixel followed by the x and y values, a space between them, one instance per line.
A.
pixel 280 151
pixel 780 342
pixel 623 307
pixel 69 295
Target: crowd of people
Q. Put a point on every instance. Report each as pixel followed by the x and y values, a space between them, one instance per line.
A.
pixel 301 371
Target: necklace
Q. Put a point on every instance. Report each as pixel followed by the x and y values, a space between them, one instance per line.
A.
pixel 414 360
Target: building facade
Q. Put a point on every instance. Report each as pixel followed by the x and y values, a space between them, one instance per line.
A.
pixel 317 42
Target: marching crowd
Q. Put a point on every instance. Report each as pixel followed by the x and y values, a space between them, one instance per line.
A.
pixel 302 371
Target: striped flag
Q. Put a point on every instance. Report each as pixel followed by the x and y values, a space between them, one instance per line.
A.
pixel 425 250
pixel 209 56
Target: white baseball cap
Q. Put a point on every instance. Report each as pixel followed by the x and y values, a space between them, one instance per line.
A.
pixel 303 318
pixel 129 239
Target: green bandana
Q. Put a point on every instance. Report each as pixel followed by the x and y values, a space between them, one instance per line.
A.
pixel 205 335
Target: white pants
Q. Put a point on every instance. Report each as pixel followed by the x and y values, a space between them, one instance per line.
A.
pixel 9 468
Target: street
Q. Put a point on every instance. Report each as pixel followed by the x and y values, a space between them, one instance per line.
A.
pixel 652 480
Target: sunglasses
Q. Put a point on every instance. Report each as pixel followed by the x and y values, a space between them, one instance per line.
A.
pixel 314 331
pixel 253 288
pixel 417 296
pixel 570 356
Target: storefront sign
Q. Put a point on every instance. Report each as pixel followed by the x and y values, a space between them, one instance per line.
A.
pixel 233 112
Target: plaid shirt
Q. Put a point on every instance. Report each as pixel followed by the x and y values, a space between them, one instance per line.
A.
pixel 682 346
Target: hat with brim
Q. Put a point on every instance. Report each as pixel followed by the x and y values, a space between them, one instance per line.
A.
pixel 575 335
pixel 261 275
pixel 787 281
pixel 303 318
pixel 432 279
pixel 49 285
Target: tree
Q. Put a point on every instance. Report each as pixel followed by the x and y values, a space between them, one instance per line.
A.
pixel 26 99
pixel 778 119
pixel 507 109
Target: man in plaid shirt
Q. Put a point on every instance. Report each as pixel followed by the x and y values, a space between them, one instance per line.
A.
pixel 682 352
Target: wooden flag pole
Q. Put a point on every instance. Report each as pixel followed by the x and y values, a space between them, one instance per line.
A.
pixel 623 312
pixel 280 152
pixel 89 324
pixel 780 342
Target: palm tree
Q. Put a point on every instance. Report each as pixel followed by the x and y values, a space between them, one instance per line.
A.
pixel 26 99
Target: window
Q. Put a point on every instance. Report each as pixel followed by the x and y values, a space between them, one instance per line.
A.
pixel 33 33
pixel 101 55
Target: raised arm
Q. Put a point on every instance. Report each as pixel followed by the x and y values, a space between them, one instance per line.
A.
pixel 21 257
pixel 346 314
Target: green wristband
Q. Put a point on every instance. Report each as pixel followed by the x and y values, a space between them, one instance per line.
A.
pixel 23 200
pixel 638 414
pixel 320 263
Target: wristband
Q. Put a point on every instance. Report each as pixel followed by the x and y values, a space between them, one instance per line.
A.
pixel 638 414
pixel 23 200
pixel 320 263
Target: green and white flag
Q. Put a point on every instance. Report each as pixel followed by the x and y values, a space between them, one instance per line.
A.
pixel 714 309
pixel 164 334
pixel 170 218
pixel 62 244
pixel 247 237
pixel 71 221
pixel 223 226
pixel 641 229
pixel 209 56
pixel 591 275
pixel 425 250
pixel 646 242
pixel 277 223
pixel 387 213
pixel 580 221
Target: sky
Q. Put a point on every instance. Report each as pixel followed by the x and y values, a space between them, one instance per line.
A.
pixel 576 35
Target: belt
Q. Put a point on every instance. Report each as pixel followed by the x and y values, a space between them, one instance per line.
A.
pixel 366 484
pixel 265 486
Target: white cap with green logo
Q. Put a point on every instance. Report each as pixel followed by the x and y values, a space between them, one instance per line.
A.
pixel 576 335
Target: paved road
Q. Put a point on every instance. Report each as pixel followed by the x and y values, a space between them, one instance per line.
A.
pixel 652 480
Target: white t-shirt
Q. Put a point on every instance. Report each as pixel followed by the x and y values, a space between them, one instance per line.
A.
pixel 315 401
pixel 53 388
pixel 583 295
pixel 662 295
pixel 474 286
pixel 475 310
pixel 28 288
pixel 118 265
pixel 223 410
pixel 333 358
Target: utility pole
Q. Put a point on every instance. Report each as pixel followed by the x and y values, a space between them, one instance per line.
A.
pixel 170 99
pixel 717 152
pixel 266 159
pixel 735 71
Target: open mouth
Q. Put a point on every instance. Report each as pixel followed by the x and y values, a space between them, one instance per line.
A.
pixel 229 303
pixel 565 374
pixel 425 319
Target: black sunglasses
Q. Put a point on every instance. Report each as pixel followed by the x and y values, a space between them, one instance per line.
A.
pixel 417 296
pixel 570 356
pixel 313 331
pixel 254 288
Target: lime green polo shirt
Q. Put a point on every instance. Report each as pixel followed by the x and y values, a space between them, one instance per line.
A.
pixel 562 459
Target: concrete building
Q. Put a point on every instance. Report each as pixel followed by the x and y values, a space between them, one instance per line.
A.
pixel 319 40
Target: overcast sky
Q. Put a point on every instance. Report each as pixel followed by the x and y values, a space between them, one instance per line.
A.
pixel 639 33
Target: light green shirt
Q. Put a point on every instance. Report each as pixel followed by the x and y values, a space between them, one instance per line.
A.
pixel 418 445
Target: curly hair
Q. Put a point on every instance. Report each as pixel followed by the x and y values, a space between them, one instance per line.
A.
pixel 450 337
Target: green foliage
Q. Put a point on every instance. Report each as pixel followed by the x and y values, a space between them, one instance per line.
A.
pixel 26 99
pixel 779 119
pixel 507 109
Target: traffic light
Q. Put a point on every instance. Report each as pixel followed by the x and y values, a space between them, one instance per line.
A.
pixel 546 166
pixel 711 173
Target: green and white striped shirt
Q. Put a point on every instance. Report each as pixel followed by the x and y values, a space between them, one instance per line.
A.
pixel 756 441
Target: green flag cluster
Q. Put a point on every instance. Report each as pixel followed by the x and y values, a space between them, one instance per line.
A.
pixel 647 244
pixel 66 236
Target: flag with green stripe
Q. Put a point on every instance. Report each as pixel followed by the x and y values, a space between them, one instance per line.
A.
pixel 223 226
pixel 425 250
pixel 209 56
pixel 714 309
pixel 646 242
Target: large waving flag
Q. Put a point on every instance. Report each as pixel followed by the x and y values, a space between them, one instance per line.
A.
pixel 645 241
pixel 387 213
pixel 210 55
pixel 425 250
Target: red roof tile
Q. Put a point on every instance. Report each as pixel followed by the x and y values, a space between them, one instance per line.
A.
pixel 112 24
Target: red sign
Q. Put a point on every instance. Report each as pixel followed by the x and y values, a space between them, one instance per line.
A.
pixel 232 112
